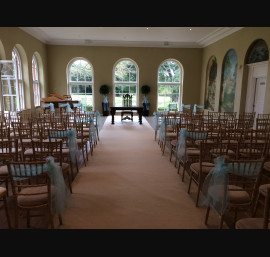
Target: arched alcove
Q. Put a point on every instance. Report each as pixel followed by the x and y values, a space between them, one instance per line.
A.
pixel 228 82
pixel 210 87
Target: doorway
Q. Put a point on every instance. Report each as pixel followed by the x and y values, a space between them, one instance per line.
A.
pixel 256 87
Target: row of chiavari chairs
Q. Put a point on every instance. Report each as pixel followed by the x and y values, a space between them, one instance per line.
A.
pixel 242 139
pixel 30 137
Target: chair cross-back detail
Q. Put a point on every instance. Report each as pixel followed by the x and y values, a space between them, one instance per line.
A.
pixel 127 101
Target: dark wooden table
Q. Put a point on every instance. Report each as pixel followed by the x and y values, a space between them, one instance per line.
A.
pixel 139 110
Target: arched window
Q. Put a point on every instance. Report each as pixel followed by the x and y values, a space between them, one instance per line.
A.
pixel 20 92
pixel 170 77
pixel 125 81
pixel 36 88
pixel 81 82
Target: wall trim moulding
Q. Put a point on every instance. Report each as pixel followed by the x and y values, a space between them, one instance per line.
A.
pixel 217 35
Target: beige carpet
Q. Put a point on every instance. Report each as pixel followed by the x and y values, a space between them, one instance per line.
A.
pixel 128 184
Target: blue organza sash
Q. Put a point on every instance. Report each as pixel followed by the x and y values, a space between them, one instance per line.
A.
pixel 72 142
pixel 162 130
pixel 197 106
pixel 215 187
pixel 215 191
pixel 187 106
pixel 156 118
pixel 181 145
pixel 51 105
pixel 79 105
pixel 99 121
pixel 54 172
pixel 65 105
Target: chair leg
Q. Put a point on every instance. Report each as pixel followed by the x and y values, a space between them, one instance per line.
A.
pixel 207 215
pixel 255 205
pixel 184 170
pixel 221 221
pixel 60 219
pixel 28 218
pixel 189 185
pixel 199 190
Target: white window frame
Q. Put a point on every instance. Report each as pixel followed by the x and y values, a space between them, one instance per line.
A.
pixel 19 79
pixel 86 83
pixel 126 82
pixel 36 83
pixel 8 78
pixel 180 84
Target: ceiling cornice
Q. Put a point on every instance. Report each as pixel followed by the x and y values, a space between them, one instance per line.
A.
pixel 209 39
pixel 217 35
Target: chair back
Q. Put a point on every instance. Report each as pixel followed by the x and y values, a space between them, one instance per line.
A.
pixel 127 100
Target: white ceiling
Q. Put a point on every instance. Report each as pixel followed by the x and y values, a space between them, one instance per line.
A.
pixel 194 37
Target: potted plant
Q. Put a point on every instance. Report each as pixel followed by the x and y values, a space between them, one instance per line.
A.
pixel 145 89
pixel 105 90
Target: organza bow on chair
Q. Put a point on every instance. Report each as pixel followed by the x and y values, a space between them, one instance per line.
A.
pixel 72 142
pixel 51 105
pixel 215 187
pixel 65 105
pixel 99 121
pixel 187 106
pixel 54 172
pixel 181 146
pixel 197 106
pixel 79 105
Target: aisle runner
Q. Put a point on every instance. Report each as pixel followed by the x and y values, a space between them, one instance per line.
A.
pixel 128 184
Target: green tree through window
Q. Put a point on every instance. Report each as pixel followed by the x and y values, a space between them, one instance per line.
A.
pixel 169 85
pixel 81 83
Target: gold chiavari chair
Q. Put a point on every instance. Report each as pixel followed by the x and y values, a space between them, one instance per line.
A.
pixel 236 187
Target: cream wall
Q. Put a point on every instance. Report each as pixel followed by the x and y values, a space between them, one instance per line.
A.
pixel 147 59
pixel 27 46
pixel 240 41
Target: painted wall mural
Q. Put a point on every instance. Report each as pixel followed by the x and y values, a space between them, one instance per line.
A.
pixel 210 89
pixel 258 52
pixel 227 91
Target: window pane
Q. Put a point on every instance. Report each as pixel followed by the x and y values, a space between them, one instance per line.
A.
pixel 81 89
pixel 169 72
pixel 118 89
pixel 133 89
pixel 168 94
pixel 125 89
pixel 88 89
pixel 125 71
pixel 80 70
pixel 74 89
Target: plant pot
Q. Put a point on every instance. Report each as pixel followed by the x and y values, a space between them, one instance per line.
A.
pixel 146 109
pixel 105 109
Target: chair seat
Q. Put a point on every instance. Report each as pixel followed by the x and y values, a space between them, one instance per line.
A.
pixel 173 142
pixel 236 197
pixel 263 189
pixel 171 135
pixel 193 152
pixel 31 200
pixel 3 190
pixel 250 223
pixel 65 166
pixel 266 166
pixel 28 152
pixel 4 170
pixel 206 167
